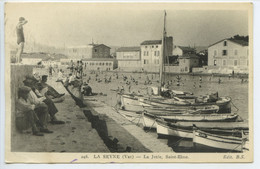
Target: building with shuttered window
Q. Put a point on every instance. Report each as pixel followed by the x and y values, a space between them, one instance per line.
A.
pixel 229 54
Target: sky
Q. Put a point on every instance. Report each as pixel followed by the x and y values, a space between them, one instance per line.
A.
pixel 73 24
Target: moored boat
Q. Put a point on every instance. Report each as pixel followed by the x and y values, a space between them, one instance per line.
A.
pixel 168 110
pixel 135 103
pixel 138 103
pixel 224 103
pixel 173 129
pixel 204 141
pixel 163 129
pixel 131 116
pixel 180 94
pixel 131 103
pixel 149 121
pixel 215 125
pixel 192 117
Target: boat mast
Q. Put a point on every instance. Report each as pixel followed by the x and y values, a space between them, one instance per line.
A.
pixel 163 53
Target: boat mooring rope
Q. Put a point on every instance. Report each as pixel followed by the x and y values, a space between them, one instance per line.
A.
pixel 234 105
pixel 151 126
pixel 235 148
pixel 132 121
pixel 174 144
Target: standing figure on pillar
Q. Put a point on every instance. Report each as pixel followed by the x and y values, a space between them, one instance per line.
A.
pixel 20 38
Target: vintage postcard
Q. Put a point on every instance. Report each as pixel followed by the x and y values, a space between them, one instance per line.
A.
pixel 128 82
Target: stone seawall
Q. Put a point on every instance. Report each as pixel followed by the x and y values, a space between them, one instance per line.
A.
pixel 18 73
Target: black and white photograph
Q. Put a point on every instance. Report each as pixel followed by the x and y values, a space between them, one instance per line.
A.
pixel 128 82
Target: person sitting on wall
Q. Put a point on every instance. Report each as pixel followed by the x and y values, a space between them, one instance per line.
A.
pixel 86 89
pixel 40 86
pixel 43 92
pixel 31 113
pixel 71 79
pixel 36 98
pixel 52 93
pixel 61 77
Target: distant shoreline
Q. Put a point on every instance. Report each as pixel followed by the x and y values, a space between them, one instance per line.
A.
pixel 236 75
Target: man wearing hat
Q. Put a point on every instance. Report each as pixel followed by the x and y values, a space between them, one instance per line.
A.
pixel 20 38
pixel 51 91
pixel 40 101
pixel 27 114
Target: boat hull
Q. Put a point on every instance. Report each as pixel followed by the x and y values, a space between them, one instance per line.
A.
pixel 138 103
pixel 163 129
pixel 211 117
pixel 131 103
pixel 131 116
pixel 224 104
pixel 195 117
pixel 214 125
pixel 205 110
pixel 149 122
pixel 208 142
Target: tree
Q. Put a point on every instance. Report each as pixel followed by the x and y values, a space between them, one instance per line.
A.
pixel 238 37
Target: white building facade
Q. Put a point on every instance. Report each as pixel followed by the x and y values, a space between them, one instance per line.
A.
pixel 88 51
pixel 151 52
pixel 101 64
pixel 129 58
pixel 80 52
pixel 229 55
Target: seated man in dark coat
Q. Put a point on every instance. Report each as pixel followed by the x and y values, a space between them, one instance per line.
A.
pixel 37 99
pixel 26 112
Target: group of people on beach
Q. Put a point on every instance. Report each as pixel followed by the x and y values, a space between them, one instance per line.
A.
pixel 35 106
pixel 72 78
pixel 76 69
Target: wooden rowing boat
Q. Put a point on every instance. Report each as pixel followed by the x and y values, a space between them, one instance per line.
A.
pixel 131 103
pixel 173 129
pixel 215 125
pixel 169 111
pixel 180 94
pixel 137 103
pixel 176 103
pixel 131 116
pixel 163 129
pixel 193 117
pixel 149 119
pixel 204 141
